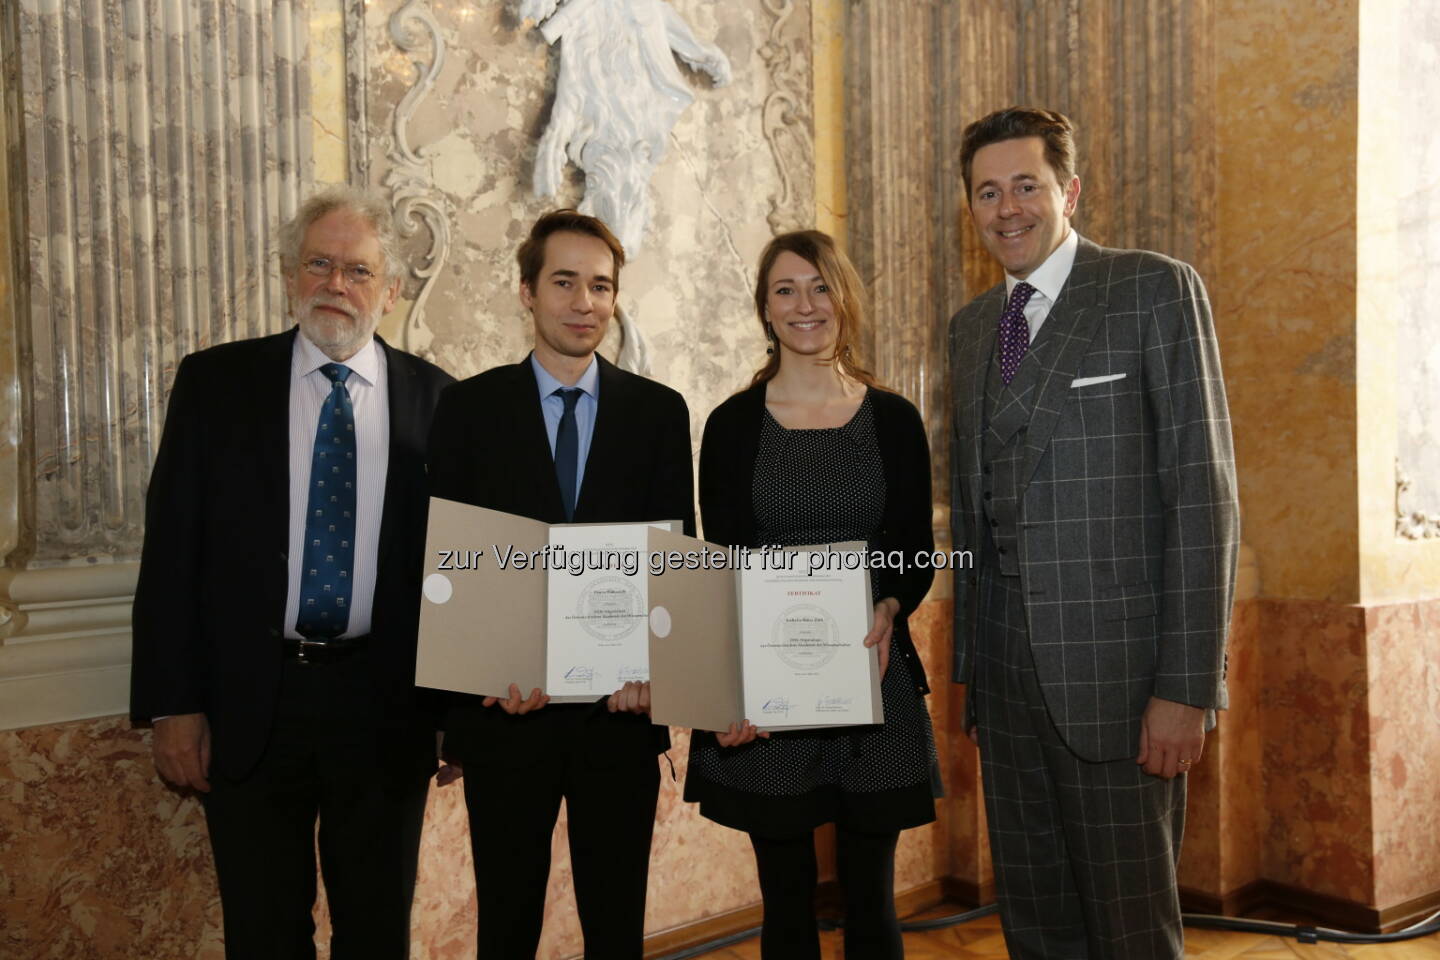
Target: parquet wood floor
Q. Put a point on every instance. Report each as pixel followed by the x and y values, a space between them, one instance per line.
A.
pixel 981 940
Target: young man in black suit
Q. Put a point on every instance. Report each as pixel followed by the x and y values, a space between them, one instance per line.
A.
pixel 276 612
pixel 563 436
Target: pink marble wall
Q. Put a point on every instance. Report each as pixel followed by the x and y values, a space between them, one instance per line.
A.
pixel 96 859
pixel 1403 646
pixel 924 853
pixel 1223 815
pixel 1317 749
pixel 1240 746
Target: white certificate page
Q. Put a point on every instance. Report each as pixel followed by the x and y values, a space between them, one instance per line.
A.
pixel 598 607
pixel 803 623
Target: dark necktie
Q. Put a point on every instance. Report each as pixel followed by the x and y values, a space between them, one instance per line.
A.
pixel 567 449
pixel 1014 331
pixel 330 517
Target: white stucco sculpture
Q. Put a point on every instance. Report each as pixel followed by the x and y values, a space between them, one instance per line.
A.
pixel 618 95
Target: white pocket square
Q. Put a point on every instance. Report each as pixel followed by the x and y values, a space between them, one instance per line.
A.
pixel 1091 381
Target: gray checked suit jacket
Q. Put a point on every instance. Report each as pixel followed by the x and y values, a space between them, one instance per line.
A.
pixel 1128 522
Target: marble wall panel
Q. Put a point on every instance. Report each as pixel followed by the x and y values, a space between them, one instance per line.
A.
pixel 1224 811
pixel 1403 642
pixel 1283 287
pixel 1318 699
pixel 1397 351
pixel 1414 209
pixel 97 860
pixel 1240 757
pixel 924 853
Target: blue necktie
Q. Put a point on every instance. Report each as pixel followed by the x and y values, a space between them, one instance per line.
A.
pixel 330 516
pixel 567 449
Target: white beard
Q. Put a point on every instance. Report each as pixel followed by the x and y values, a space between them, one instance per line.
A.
pixel 339 338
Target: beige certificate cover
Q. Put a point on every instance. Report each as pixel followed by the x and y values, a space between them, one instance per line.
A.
pixel 694 659
pixel 480 632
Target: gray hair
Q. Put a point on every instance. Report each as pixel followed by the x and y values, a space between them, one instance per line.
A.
pixel 366 203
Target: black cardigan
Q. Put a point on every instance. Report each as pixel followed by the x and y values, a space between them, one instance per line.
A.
pixel 727 471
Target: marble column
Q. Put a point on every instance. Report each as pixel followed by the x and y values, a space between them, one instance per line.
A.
pixel 152 150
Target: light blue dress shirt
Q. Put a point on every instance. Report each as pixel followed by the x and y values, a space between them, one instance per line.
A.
pixel 554 408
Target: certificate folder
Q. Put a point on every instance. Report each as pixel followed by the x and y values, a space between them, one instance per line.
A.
pixel 500 605
pixel 779 644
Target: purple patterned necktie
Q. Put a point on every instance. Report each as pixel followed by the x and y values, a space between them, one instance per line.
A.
pixel 1014 331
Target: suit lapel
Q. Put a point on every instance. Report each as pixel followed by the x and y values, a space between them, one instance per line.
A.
pixel 534 458
pixel 972 363
pixel 606 441
pixel 400 388
pixel 1076 317
pixel 272 411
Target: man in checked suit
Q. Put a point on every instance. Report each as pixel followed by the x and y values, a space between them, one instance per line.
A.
pixel 276 613
pixel 561 436
pixel 1094 481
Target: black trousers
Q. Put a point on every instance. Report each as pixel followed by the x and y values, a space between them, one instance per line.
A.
pixel 609 785
pixel 332 757
pixel 865 863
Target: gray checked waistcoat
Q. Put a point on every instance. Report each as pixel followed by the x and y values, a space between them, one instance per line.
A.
pixel 1007 412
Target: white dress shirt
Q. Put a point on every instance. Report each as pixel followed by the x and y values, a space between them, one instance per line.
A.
pixel 370 399
pixel 1047 279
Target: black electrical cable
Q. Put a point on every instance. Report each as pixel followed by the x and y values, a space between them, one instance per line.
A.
pixel 1201 921
pixel 1311 934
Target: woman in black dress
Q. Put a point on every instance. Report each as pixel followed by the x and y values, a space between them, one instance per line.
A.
pixel 816 452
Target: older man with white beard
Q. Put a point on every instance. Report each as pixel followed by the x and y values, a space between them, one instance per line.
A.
pixel 275 617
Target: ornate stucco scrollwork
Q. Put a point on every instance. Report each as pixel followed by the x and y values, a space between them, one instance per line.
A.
pixel 786 122
pixel 1411 524
pixel 416 202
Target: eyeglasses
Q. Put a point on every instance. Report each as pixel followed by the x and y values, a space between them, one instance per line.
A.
pixel 357 273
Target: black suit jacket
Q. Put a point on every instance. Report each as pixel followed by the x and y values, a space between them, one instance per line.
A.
pixel 489 448
pixel 214 573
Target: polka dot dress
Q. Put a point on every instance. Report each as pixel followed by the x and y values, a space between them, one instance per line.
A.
pixel 823 486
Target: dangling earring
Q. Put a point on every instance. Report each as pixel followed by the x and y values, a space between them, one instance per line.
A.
pixel 769 340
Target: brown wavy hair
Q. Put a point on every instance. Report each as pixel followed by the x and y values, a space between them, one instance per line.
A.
pixel 846 295
pixel 1054 129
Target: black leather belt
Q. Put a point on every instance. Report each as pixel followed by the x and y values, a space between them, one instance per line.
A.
pixel 322 651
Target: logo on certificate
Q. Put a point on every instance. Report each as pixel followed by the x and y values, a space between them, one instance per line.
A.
pixel 610 608
pixel 804 637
